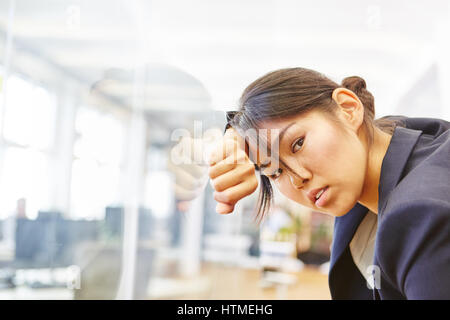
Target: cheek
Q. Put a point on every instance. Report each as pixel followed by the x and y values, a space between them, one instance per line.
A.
pixel 340 161
pixel 350 164
pixel 324 154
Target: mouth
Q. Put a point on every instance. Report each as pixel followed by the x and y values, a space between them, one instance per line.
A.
pixel 321 197
pixel 318 196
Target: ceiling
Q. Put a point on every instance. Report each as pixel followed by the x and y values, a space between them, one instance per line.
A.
pixel 224 45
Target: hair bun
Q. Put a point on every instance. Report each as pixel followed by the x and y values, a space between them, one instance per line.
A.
pixel 358 86
pixel 354 83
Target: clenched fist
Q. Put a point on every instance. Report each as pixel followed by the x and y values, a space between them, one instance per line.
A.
pixel 232 173
pixel 188 163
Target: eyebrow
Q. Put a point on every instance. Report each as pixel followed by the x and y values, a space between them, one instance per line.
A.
pixel 280 137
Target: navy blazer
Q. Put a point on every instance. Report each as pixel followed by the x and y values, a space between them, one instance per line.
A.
pixel 412 246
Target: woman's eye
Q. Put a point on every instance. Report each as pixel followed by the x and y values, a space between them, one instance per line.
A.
pixel 275 175
pixel 298 144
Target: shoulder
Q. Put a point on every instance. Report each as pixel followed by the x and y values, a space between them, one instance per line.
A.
pixel 420 200
pixel 416 212
pixel 413 237
pixel 426 176
pixel 413 247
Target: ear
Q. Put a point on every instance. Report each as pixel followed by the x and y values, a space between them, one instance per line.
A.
pixel 350 109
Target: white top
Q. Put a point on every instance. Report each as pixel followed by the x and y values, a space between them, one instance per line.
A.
pixel 362 245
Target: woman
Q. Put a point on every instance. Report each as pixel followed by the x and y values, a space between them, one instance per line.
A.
pixel 386 181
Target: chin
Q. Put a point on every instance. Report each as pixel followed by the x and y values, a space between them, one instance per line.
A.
pixel 342 210
pixel 340 214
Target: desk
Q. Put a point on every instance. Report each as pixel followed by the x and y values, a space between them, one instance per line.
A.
pixel 217 281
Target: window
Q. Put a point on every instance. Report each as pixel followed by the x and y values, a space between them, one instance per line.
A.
pixel 29 114
pixel 96 166
pixel 27 137
pixel 24 175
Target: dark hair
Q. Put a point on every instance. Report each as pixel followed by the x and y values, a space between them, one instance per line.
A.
pixel 290 92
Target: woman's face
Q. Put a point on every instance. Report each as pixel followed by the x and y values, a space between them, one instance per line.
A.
pixel 315 153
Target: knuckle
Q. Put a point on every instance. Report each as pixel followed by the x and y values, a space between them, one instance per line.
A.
pixel 229 197
pixel 252 184
pixel 218 153
pixel 217 185
pixel 212 157
pixel 241 157
pixel 247 171
pixel 230 161
pixel 216 197
pixel 211 172
pixel 225 196
pixel 250 168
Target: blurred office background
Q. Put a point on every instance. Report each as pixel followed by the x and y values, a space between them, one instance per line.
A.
pixel 91 93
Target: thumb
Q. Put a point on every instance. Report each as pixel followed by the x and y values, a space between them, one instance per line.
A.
pixel 224 208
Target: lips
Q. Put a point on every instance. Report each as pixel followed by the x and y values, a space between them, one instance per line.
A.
pixel 313 193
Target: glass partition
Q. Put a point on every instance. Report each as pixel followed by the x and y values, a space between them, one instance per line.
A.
pixel 100 99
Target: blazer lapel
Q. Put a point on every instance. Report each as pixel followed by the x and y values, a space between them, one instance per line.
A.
pixel 344 230
pixel 394 162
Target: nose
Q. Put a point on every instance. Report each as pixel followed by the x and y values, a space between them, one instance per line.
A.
pixel 296 180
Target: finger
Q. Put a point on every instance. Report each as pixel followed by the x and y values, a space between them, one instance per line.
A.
pixel 224 208
pixel 223 150
pixel 183 162
pixel 187 194
pixel 232 195
pixel 226 165
pixel 231 133
pixel 186 180
pixel 212 135
pixel 232 178
pixel 188 151
pixel 195 171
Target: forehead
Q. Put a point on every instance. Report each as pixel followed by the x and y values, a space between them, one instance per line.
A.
pixel 270 130
pixel 264 142
pixel 267 135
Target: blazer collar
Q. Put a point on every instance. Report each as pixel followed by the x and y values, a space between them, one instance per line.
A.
pixel 344 229
pixel 399 150
pixel 402 144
